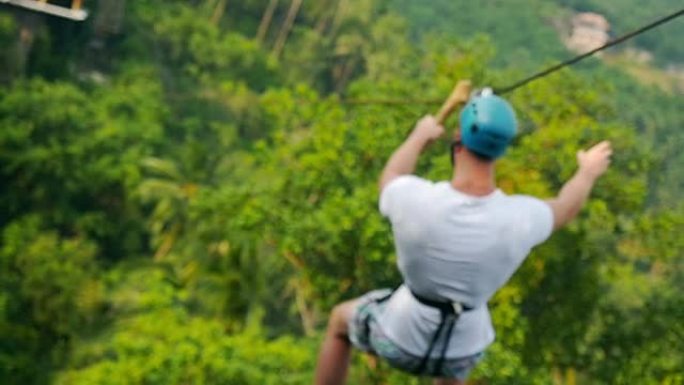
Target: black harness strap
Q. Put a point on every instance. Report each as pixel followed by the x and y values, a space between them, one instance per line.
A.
pixel 440 362
pixel 450 312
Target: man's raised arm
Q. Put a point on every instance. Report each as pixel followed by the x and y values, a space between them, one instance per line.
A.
pixel 428 129
pixel 592 164
pixel 403 160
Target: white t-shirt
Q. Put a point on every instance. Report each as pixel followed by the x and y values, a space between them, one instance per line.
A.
pixel 455 247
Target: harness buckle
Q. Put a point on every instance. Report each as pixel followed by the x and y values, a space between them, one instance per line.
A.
pixel 458 307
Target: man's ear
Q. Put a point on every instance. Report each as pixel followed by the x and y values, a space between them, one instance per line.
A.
pixel 455 146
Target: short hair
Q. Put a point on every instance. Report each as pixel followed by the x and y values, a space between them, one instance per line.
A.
pixel 478 155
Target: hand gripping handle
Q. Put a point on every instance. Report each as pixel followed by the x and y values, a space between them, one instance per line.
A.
pixel 459 96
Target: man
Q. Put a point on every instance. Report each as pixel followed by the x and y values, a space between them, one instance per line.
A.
pixel 457 243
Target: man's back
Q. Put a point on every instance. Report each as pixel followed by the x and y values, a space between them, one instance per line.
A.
pixel 455 247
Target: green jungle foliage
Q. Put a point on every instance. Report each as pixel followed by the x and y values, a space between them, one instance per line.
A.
pixel 185 201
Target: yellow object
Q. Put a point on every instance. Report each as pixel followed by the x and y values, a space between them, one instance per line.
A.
pixel 75 13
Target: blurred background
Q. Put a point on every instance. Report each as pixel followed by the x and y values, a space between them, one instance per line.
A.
pixel 188 187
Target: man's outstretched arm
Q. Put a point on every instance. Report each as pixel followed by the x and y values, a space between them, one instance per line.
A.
pixel 403 160
pixel 574 193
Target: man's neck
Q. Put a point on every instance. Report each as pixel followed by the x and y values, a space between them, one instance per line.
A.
pixel 474 177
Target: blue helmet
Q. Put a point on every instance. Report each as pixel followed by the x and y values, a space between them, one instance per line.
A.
pixel 488 125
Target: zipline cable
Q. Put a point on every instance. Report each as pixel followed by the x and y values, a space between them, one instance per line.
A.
pixel 583 56
pixel 554 68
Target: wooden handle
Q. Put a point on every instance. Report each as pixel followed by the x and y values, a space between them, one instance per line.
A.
pixel 459 95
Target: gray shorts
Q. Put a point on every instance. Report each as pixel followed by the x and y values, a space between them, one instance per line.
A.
pixel 366 335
